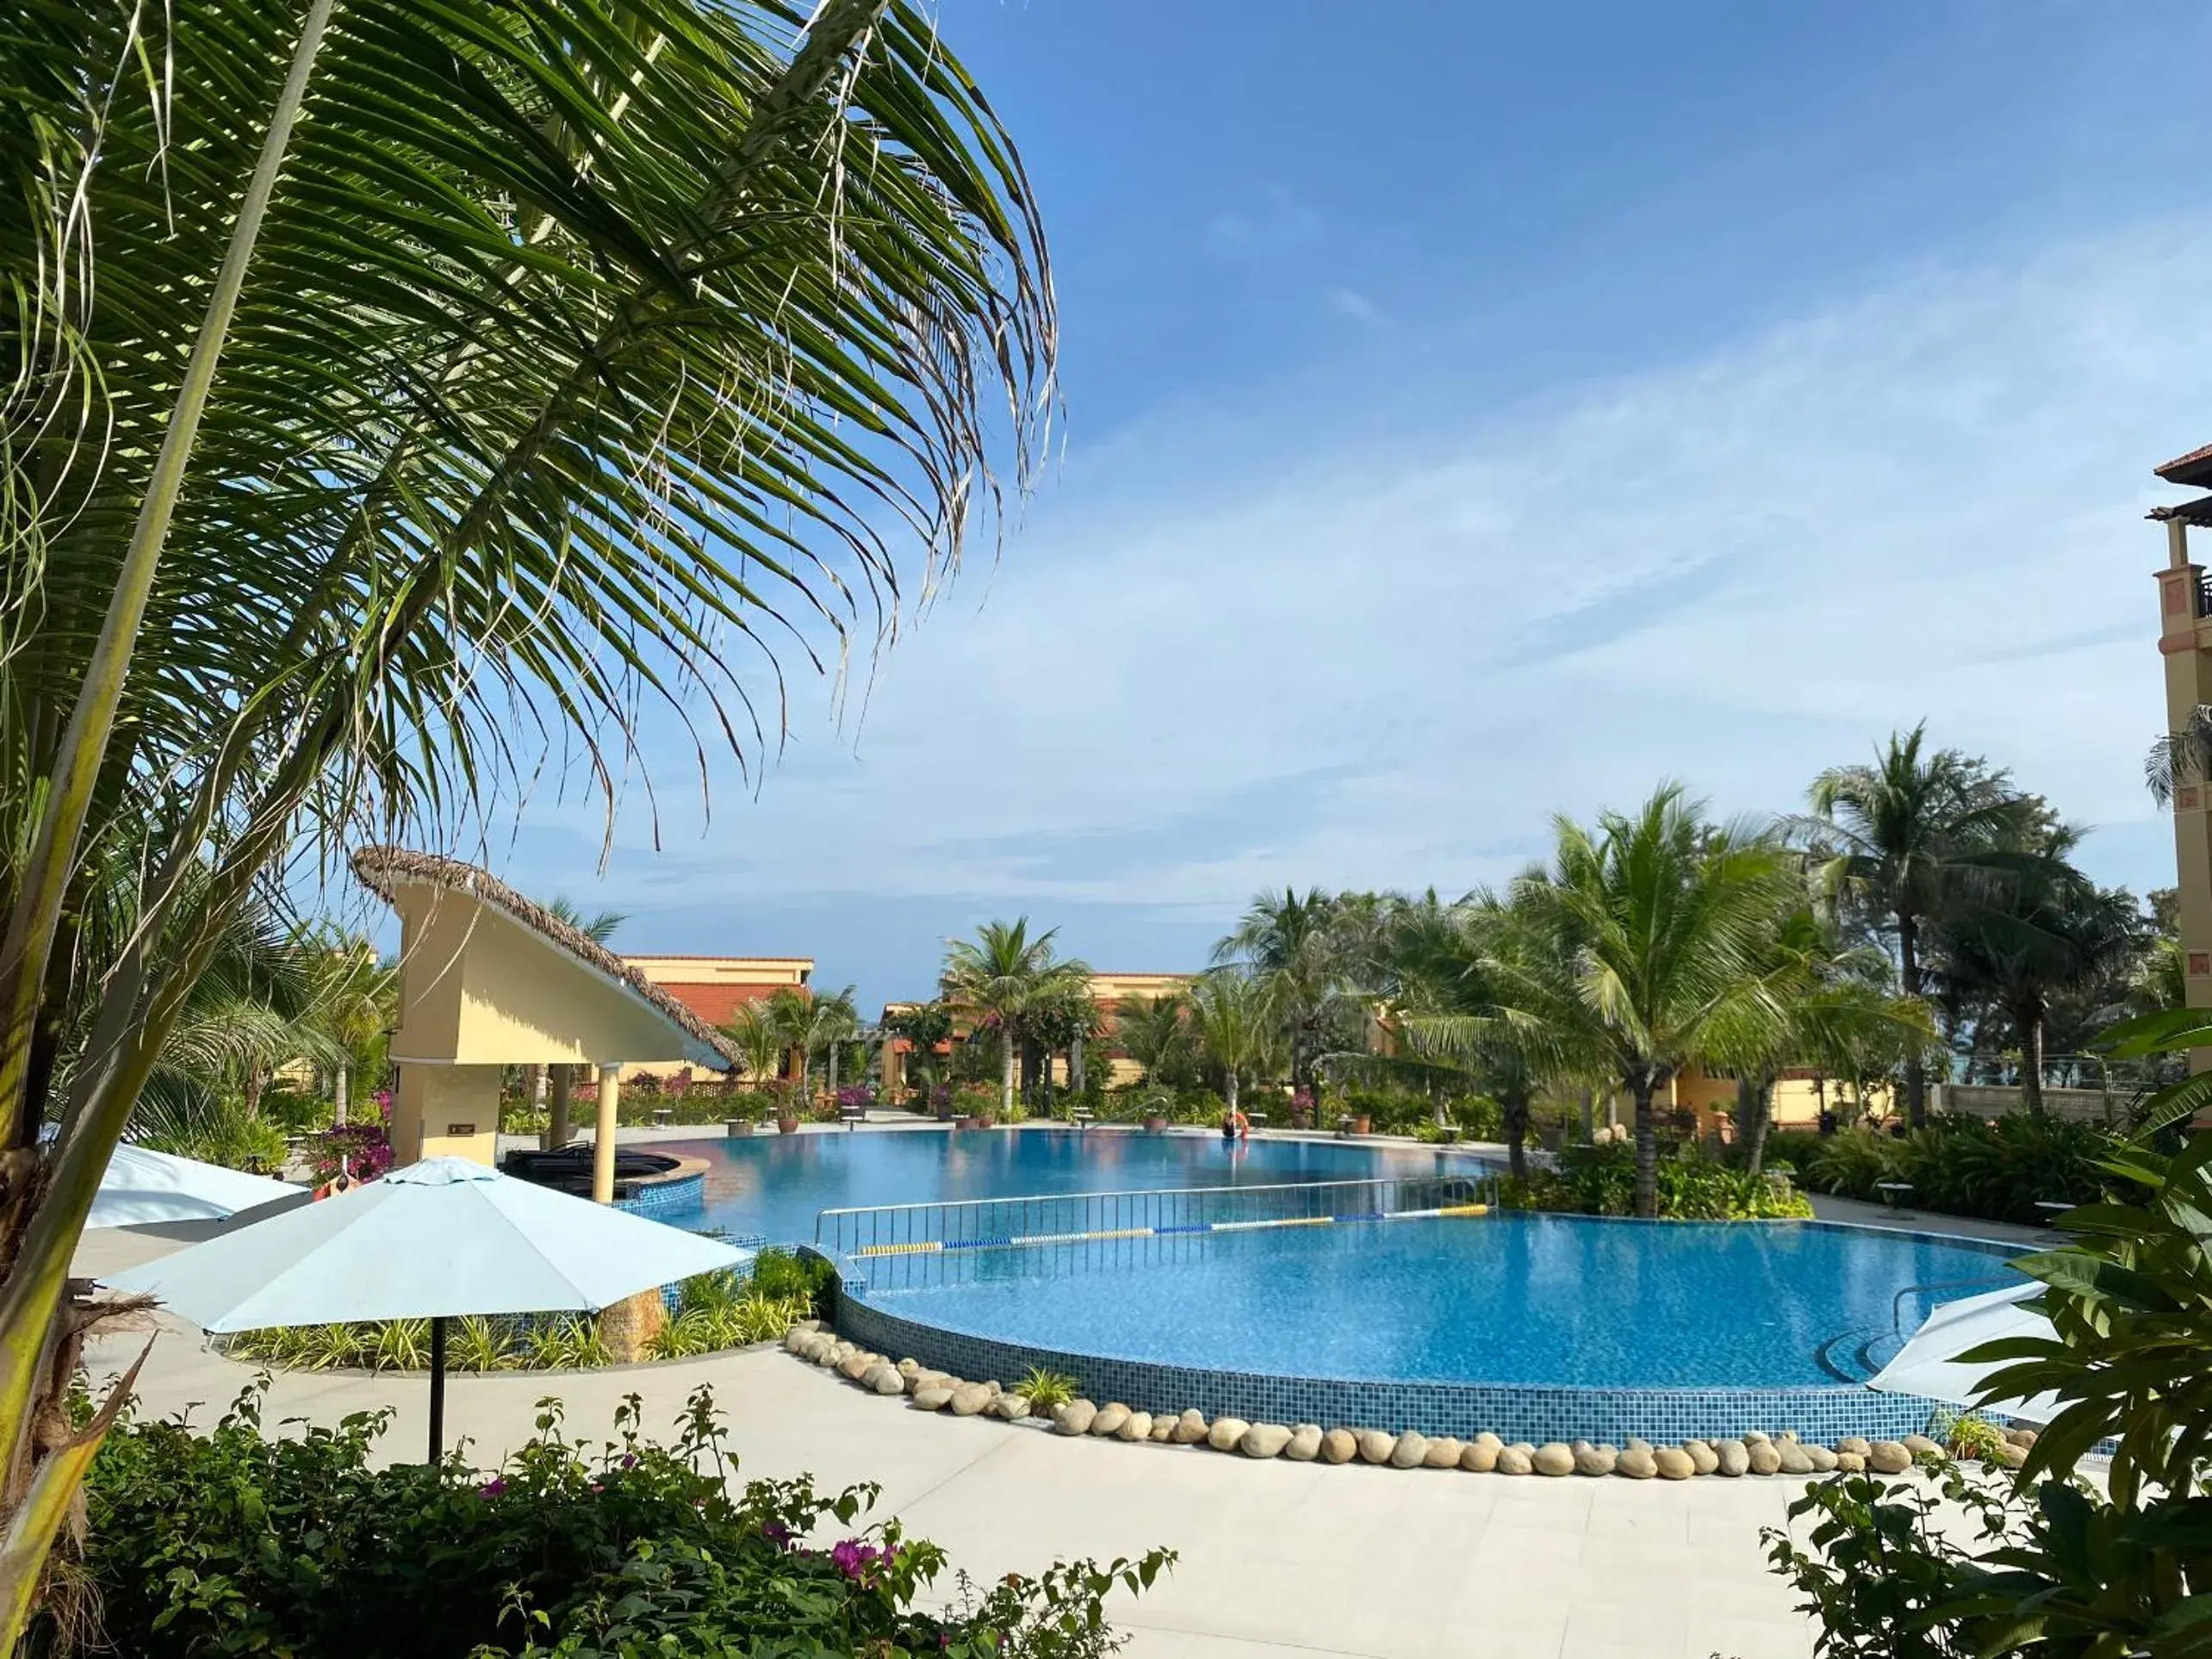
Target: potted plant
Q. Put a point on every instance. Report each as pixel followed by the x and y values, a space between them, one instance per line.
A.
pixel 786 1107
pixel 1156 1114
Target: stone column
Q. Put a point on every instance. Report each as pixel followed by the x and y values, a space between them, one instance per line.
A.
pixel 610 1095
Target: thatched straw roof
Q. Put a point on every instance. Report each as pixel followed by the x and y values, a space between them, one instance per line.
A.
pixel 384 870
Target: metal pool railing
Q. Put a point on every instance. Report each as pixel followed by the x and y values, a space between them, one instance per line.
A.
pixel 1076 1217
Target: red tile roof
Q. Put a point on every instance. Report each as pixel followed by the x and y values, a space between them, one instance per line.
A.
pixel 2195 468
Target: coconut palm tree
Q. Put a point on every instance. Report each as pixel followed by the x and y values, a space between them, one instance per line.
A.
pixel 1294 943
pixel 991 980
pixel 1900 838
pixel 600 927
pixel 838 1022
pixel 1662 915
pixel 1155 1033
pixel 2018 941
pixel 353 1002
pixel 1233 1020
pixel 350 483
pixel 811 1025
pixel 1484 987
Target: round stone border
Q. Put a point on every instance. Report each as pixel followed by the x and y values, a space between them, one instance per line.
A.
pixel 1752 1452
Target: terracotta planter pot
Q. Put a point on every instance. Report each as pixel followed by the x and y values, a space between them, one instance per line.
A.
pixel 1363 1125
pixel 788 1125
pixel 1155 1126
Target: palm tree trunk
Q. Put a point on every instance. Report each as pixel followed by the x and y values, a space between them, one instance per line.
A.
pixel 1761 1111
pixel 340 1089
pixel 1515 1104
pixel 1646 1146
pixel 1229 1088
pixel 1916 1068
pixel 2030 1018
pixel 832 1064
pixel 1077 1078
pixel 1006 1071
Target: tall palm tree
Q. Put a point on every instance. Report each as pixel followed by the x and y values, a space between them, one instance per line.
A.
pixel 1662 915
pixel 353 1002
pixel 838 1023
pixel 1155 1033
pixel 350 483
pixel 1899 838
pixel 993 980
pixel 600 927
pixel 812 1025
pixel 2018 941
pixel 1230 1019
pixel 1485 987
pixel 1292 942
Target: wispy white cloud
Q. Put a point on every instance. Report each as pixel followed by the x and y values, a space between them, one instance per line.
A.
pixel 1350 302
pixel 1388 662
pixel 1275 222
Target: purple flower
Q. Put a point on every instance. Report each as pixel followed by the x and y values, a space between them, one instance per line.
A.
pixel 776 1534
pixel 854 1558
pixel 492 1488
pixel 629 1460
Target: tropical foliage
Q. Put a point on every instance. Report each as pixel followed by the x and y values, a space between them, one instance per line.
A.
pixel 1003 975
pixel 1601 1180
pixel 2051 1566
pixel 2001 1170
pixel 353 480
pixel 226 1542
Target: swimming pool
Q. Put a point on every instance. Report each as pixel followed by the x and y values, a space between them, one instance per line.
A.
pixel 773 1186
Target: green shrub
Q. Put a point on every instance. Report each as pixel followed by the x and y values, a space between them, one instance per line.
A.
pixel 1601 1180
pixel 230 1543
pixel 218 1132
pixel 1999 1171
pixel 786 1274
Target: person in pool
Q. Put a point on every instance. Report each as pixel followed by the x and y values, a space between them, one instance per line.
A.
pixel 1236 1125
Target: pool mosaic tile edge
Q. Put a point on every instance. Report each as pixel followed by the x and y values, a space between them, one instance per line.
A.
pixel 1535 1413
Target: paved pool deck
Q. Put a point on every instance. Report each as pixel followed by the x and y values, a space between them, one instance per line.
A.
pixel 1277 1558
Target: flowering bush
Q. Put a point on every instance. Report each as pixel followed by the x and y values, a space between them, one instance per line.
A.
pixel 363 1150
pixel 855 1097
pixel 231 1544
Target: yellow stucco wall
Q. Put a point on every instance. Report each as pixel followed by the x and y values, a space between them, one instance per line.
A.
pixel 442 1111
pixel 478 988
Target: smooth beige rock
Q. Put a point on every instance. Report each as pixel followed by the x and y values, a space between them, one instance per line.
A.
pixel 933 1399
pixel 1850 1463
pixel 1376 1446
pixel 1074 1418
pixel 910 1368
pixel 1110 1417
pixel 1226 1432
pixel 1734 1458
pixel 1765 1458
pixel 1672 1464
pixel 1163 1433
pixel 1794 1459
pixel 1481 1455
pixel 1264 1440
pixel 1443 1453
pixel 926 1379
pixel 1190 1428
pixel 1411 1452
pixel 2012 1456
pixel 883 1380
pixel 1753 1437
pixel 1920 1446
pixel 1823 1460
pixel 1011 1407
pixel 1853 1443
pixel 1137 1425
pixel 1594 1460
pixel 854 1366
pixel 1888 1457
pixel 1703 1459
pixel 1339 1446
pixel 1638 1463
pixel 794 1340
pixel 2023 1437
pixel 972 1397
pixel 1487 1439
pixel 1553 1457
pixel 1512 1460
pixel 1305 1443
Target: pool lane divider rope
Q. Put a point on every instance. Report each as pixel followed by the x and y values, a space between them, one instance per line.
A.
pixel 1019 1241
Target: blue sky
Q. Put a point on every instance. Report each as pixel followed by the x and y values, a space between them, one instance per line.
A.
pixel 1476 412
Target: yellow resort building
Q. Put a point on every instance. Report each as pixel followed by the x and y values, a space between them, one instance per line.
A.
pixel 2185 643
pixel 1109 991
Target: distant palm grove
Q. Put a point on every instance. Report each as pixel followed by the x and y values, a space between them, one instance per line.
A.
pixel 1920 920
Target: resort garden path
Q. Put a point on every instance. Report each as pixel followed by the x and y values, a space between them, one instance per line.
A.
pixel 1275 1557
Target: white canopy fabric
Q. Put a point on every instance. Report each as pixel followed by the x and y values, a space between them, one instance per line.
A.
pixel 1928 1365
pixel 141 1188
pixel 438 1239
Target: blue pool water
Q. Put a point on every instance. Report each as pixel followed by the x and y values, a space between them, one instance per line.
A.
pixel 1512 1299
pixel 773 1185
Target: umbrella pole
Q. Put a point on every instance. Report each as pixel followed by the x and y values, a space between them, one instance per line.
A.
pixel 437 1387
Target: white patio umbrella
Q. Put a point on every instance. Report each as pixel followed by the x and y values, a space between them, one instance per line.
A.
pixel 1929 1363
pixel 435 1240
pixel 139 1188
